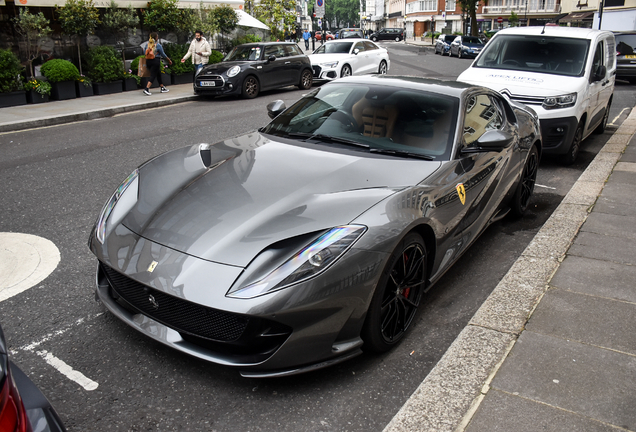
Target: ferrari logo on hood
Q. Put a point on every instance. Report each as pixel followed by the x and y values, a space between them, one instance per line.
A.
pixel 461 192
pixel 152 266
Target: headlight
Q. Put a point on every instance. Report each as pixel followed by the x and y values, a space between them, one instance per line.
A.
pixel 563 101
pixel 330 65
pixel 131 199
pixel 233 71
pixel 309 262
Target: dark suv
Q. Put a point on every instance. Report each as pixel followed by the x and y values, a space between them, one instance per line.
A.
pixel 626 56
pixel 396 34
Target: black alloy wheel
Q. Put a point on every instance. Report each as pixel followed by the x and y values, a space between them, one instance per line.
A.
pixel 250 87
pixel 345 71
pixel 522 195
pixel 374 39
pixel 382 69
pixel 573 152
pixel 397 295
pixel 306 80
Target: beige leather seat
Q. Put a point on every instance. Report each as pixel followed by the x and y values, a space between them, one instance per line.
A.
pixel 375 121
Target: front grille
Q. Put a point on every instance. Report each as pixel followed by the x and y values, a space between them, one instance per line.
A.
pixel 528 100
pixel 218 79
pixel 317 70
pixel 179 314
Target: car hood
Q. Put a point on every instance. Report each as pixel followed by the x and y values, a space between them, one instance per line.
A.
pixel 473 45
pixel 219 68
pixel 519 82
pixel 256 191
pixel 317 59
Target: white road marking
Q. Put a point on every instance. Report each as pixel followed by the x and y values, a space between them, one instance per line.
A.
pixel 542 186
pixel 25 261
pixel 620 114
pixel 68 371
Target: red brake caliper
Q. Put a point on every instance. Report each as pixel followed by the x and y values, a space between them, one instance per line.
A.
pixel 406 290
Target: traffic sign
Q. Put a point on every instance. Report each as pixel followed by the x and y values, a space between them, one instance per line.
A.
pixel 500 20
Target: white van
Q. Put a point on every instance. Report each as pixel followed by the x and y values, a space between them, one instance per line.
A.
pixel 565 74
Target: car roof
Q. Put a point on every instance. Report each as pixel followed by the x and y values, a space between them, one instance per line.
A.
pixel 433 85
pixel 267 43
pixel 572 32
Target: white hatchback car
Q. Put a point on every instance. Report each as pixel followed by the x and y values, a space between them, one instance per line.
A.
pixel 341 58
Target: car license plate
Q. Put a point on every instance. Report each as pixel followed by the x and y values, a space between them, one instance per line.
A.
pixel 207 83
pixel 630 56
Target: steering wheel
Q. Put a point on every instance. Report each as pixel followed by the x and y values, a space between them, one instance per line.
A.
pixel 346 119
pixel 512 62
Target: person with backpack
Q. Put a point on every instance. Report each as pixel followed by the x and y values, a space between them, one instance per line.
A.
pixel 154 54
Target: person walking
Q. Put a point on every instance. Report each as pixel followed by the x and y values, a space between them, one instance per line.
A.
pixel 199 50
pixel 154 54
pixel 306 36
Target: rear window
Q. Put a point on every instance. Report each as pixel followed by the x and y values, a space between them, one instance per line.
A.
pixel 553 55
pixel 625 44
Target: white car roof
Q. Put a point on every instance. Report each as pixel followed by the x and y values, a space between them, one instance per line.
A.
pixel 573 32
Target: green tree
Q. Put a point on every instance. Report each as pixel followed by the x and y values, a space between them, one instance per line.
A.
pixel 79 18
pixel 278 15
pixel 162 16
pixel 513 20
pixel 224 19
pixel 119 22
pixel 343 12
pixel 32 27
pixel 470 7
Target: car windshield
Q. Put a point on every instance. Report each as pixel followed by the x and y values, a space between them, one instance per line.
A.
pixel 334 48
pixel 543 54
pixel 625 44
pixel 471 39
pixel 244 53
pixel 373 118
pixel 351 34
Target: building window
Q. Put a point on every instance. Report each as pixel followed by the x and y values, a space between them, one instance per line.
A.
pixel 450 5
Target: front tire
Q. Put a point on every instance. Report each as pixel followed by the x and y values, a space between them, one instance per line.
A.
pixel 397 295
pixel 521 198
pixel 374 39
pixel 251 87
pixel 345 71
pixel 573 152
pixel 306 80
pixel 459 54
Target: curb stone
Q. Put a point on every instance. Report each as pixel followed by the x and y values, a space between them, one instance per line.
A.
pixel 451 393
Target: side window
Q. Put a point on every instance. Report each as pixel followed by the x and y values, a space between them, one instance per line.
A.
pixel 483 113
pixel 271 50
pixel 611 49
pixel 369 46
pixel 359 46
pixel 599 57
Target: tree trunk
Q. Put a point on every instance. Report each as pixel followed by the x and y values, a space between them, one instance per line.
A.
pixel 474 31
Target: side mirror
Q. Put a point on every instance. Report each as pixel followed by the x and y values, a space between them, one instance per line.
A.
pixel 356 51
pixel 271 58
pixel 600 73
pixel 275 108
pixel 492 140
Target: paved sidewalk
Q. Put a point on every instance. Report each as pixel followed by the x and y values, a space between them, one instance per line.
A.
pixel 553 348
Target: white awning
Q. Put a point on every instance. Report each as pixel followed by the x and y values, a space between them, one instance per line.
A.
pixel 247 20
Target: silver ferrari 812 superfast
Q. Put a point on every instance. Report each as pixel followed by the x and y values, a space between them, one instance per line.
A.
pixel 298 245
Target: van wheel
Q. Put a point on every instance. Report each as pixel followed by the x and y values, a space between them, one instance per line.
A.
pixel 570 157
pixel 601 127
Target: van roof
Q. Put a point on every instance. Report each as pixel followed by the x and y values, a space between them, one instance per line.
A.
pixel 573 32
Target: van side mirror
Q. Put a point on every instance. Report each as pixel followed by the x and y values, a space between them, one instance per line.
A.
pixel 600 73
pixel 275 108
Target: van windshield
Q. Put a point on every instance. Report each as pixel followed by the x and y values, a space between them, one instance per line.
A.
pixel 553 55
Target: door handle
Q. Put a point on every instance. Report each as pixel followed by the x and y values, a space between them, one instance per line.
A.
pixel 287 62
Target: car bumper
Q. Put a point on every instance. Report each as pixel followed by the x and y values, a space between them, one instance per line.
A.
pixel 216 85
pixel 311 325
pixel 322 74
pixel 557 134
pixel 470 53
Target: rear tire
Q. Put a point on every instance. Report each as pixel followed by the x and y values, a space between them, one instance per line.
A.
pixel 397 295
pixel 521 198
pixel 573 152
pixel 382 69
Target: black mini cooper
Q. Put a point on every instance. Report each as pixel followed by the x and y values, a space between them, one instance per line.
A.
pixel 251 68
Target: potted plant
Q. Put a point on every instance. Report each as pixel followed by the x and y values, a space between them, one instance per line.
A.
pixel 104 70
pixel 83 86
pixel 62 75
pixel 11 91
pixel 131 81
pixel 181 73
pixel 38 91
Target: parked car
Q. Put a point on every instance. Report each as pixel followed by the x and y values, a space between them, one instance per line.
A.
pixel 466 46
pixel 346 33
pixel 396 34
pixel 328 35
pixel 23 407
pixel 625 56
pixel 251 68
pixel 341 58
pixel 565 74
pixel 442 45
pixel 289 249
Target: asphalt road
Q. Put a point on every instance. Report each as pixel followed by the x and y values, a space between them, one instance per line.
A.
pixel 55 181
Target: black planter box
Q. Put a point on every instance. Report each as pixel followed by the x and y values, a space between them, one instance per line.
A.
pixel 13 99
pixel 83 91
pixel 63 90
pixel 34 97
pixel 186 78
pixel 107 88
pixel 129 84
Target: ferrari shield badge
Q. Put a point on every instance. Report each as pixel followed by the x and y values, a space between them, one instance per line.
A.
pixel 152 266
pixel 461 192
